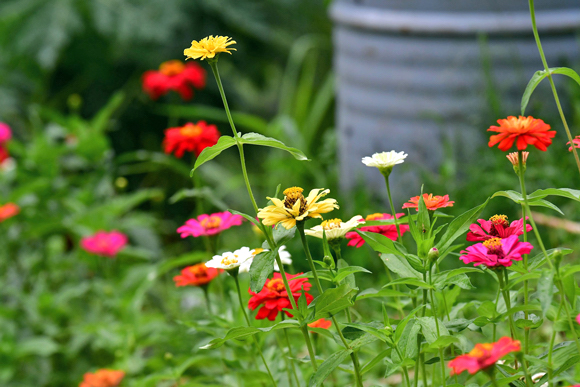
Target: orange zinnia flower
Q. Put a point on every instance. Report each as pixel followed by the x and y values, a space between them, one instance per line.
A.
pixel 102 378
pixel 191 138
pixel 8 210
pixel 196 275
pixel 431 202
pixel 483 356
pixel 321 323
pixel 524 130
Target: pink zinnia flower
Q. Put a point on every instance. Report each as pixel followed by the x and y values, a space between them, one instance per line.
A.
pixel 209 224
pixel 5 133
pixel 106 244
pixel 483 356
pixel 496 227
pixel 578 319
pixel 496 252
pixel 575 142
pixel 390 231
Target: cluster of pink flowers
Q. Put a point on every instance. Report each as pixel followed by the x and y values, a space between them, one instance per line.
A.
pixel 500 243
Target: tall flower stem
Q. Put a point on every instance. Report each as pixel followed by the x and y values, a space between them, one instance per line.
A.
pixel 353 355
pixel 551 347
pixel 506 297
pixel 491 374
pixel 434 310
pixel 291 356
pixel 547 69
pixel 214 69
pixel 399 236
pixel 525 256
pixel 405 372
pixel 242 307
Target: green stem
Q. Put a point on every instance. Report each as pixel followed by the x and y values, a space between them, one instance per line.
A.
pixel 525 256
pixel 399 236
pixel 406 373
pixel 206 296
pixel 214 69
pixel 507 300
pixel 291 355
pixel 553 86
pixel 242 307
pixel 304 331
pixel 434 310
pixel 551 348
pixel 570 319
pixel 491 374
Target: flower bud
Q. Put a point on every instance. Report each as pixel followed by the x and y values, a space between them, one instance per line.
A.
pixel 433 254
pixel 387 331
pixel 328 261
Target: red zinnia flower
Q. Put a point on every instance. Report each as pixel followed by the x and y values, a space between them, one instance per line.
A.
pixel 274 297
pixel 431 202
pixel 575 142
pixel 8 210
pixel 4 155
pixel 174 75
pixel 483 356
pixel 102 378
pixel 524 130
pixel 191 138
pixel 390 231
pixel 496 227
pixel 196 275
pixel 206 225
pixel 496 252
pixel 321 323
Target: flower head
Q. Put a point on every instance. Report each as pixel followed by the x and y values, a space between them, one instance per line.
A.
pixel 334 228
pixel 273 296
pixel 196 275
pixel 208 48
pixel 106 244
pixel 5 133
pixel 206 225
pixel 8 210
pixel 496 252
pixel 285 257
pixel 385 161
pixel 4 155
pixel 390 231
pixel 431 202
pixel 102 378
pixel 295 207
pixel 483 356
pixel 229 260
pixel 578 319
pixel 496 227
pixel 174 75
pixel 524 130
pixel 190 138
pixel 575 143
pixel 321 323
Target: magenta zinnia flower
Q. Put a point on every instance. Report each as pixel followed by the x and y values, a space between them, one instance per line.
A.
pixel 106 244
pixel 496 227
pixel 390 231
pixel 496 252
pixel 5 133
pixel 209 224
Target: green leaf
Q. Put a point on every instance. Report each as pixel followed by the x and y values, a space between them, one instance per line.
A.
pixel 261 268
pixel 345 271
pixel 328 366
pixel 459 226
pixel 407 343
pixel 281 235
pixel 374 328
pixel 539 259
pixel 544 203
pixel 333 300
pixel 487 309
pixel 400 266
pixel 429 329
pixel 423 220
pixel 446 277
pixel 212 152
pixel 570 286
pixel 539 76
pixel 410 281
pixel 374 293
pixel 443 342
pixel 241 332
pixel 349 279
pixel 258 139
pixel 545 289
pixel 573 194
pixel 404 322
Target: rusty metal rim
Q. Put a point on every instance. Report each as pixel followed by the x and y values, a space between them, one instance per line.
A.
pixel 458 23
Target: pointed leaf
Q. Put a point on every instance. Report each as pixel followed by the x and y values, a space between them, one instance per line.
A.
pixel 261 268
pixel 212 152
pixel 459 226
pixel 258 139
pixel 332 301
pixel 541 75
pixel 328 366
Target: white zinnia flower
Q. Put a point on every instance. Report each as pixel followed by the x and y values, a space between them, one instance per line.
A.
pixel 385 161
pixel 229 260
pixel 334 228
pixel 285 257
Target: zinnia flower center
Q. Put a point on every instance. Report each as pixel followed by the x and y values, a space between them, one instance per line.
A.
pixel 376 216
pixel 198 270
pixel 190 131
pixel 257 251
pixel 171 67
pixel 211 222
pixel 292 195
pixel 230 260
pixel 275 285
pixel 331 224
pixel 481 350
pixel 500 220
pixel 493 246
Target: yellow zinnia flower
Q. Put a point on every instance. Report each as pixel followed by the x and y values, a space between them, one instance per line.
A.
pixel 209 47
pixel 295 207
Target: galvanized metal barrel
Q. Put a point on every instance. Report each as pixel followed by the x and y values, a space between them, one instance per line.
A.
pixel 411 75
